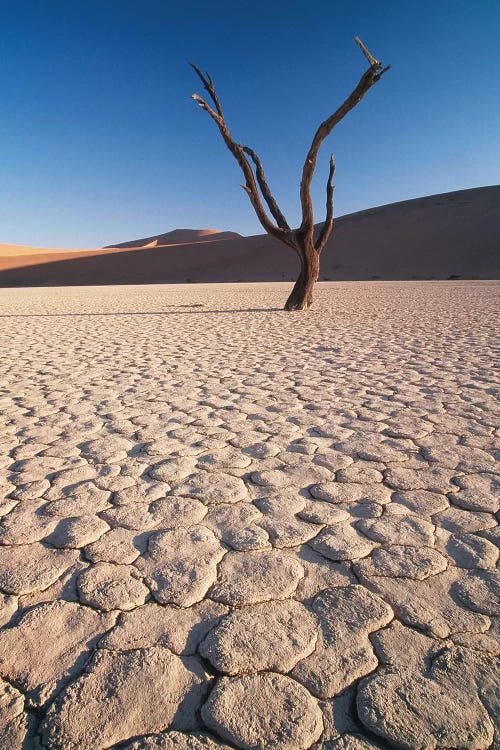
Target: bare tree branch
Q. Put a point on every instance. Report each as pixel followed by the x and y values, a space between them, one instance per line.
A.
pixel 372 60
pixel 206 107
pixel 368 79
pixel 327 227
pixel 281 233
pixel 264 187
pixel 208 85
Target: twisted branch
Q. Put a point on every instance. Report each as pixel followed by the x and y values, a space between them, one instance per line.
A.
pixel 264 188
pixel 368 79
pixel 282 231
pixel 327 227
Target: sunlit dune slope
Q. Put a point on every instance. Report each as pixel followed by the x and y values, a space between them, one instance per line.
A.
pixel 179 237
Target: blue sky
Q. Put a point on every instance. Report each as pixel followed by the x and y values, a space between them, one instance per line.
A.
pixel 101 142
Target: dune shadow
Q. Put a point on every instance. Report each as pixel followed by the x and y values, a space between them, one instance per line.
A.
pixel 224 262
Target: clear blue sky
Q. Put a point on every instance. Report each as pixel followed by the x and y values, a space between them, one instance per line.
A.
pixel 101 142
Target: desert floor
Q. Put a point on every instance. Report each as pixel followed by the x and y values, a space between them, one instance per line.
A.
pixel 225 525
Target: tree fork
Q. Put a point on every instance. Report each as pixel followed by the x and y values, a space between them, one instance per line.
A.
pixel 301 240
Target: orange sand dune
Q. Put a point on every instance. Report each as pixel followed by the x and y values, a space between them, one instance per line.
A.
pixel 23 250
pixel 452 235
pixel 179 237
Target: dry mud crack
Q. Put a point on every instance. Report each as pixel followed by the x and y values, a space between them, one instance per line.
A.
pixel 227 526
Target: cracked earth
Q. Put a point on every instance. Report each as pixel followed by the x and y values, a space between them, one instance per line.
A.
pixel 227 526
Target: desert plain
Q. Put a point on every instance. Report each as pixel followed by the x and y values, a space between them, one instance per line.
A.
pixel 229 526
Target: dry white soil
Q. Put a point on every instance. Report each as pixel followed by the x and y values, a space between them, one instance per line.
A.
pixel 225 525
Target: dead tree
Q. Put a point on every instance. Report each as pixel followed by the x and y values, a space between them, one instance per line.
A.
pixel 307 243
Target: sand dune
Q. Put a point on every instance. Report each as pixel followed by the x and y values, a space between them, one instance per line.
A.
pixel 14 251
pixel 452 235
pixel 179 237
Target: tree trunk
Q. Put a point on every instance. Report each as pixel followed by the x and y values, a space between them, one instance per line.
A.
pixel 301 296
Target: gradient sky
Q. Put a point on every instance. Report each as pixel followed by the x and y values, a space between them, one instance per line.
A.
pixel 101 142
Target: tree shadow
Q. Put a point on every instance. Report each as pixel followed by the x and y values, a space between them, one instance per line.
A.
pixel 159 312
